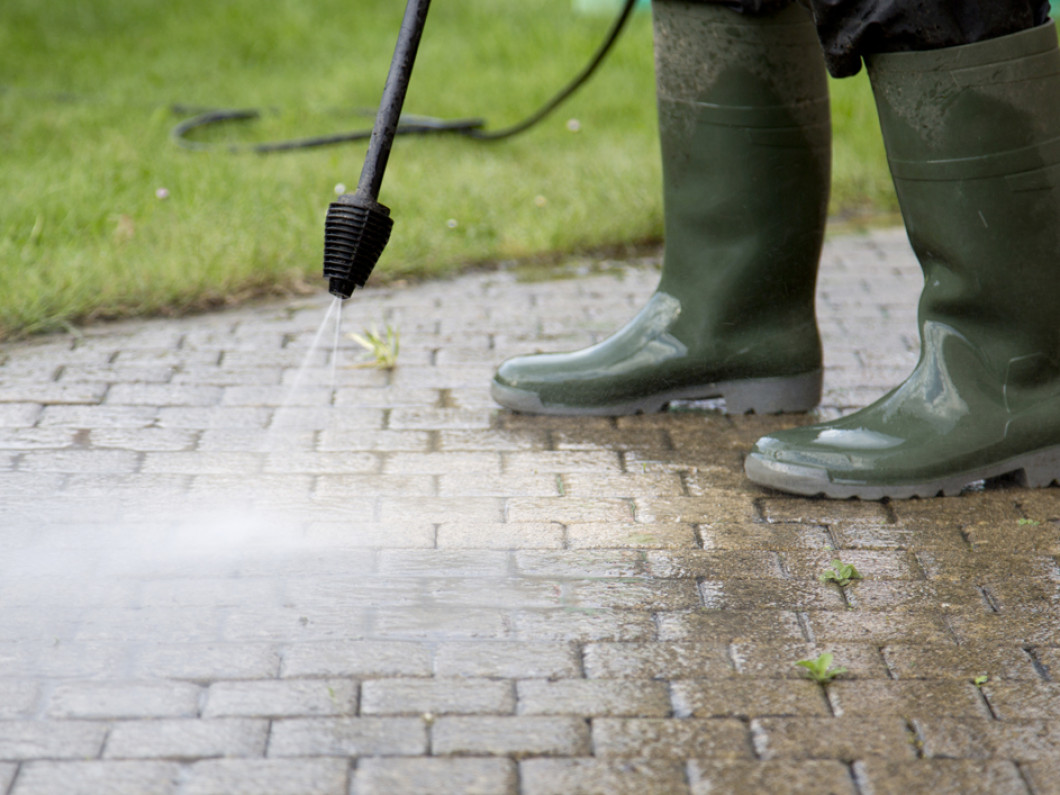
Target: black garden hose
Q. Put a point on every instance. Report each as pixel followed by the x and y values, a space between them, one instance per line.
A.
pixel 408 125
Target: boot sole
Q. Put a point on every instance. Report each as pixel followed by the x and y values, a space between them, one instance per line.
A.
pixel 1032 470
pixel 795 393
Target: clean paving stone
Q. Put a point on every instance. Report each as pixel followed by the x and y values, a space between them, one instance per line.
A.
pixel 435 776
pixel 94 777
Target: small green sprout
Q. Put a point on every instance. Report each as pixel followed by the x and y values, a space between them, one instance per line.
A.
pixel 383 347
pixel 1031 522
pixel 841 573
pixel 821 670
pixel 981 680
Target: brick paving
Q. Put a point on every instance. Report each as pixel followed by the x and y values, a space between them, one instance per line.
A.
pixel 224 572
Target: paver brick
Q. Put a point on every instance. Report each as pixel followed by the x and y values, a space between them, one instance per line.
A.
pixel 18 697
pixel 52 393
pixel 1033 627
pixel 1022 741
pixel 19 415
pixel 708 565
pixel 636 484
pixel 717 536
pixel 587 624
pixel 117 461
pixel 907 698
pixel 766 593
pixel 701 508
pixel 813 775
pixel 361 736
pixel 450 563
pixel 45 739
pixel 435 776
pixel 569 510
pixel 969 510
pixel 144 440
pixel 1048 659
pixel 336 440
pixel 287 624
pixel 881 627
pixel 340 533
pixel 581 563
pixel 657 660
pixel 581 776
pixel 132 394
pixel 593 461
pixel 402 419
pixel 466 464
pixel 92 778
pixel 123 700
pixel 29 660
pixel 210 417
pixel 747 698
pixel 1043 776
pixel 193 624
pixel 884 537
pixel 93 417
pixel 725 626
pixel 832 738
pixel 912 595
pixel 440 510
pixel 507 536
pixel 631 593
pixel 778 659
pixel 871 564
pixel 888 777
pixel 510 660
pixel 186 739
pixel 601 535
pixel 510 736
pixel 671 738
pixel 436 696
pixel 267 777
pixel 908 661
pixel 277 698
pixel 823 512
pixel 595 697
pixel 457 483
pixel 406 623
pixel 365 658
pixel 324 464
pixel 986 566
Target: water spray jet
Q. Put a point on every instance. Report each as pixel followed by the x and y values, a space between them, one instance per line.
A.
pixel 357 227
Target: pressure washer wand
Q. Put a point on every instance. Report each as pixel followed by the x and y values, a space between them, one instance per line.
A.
pixel 357 226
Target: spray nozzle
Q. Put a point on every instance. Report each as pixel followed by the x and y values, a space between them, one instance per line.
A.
pixel 356 231
pixel 357 226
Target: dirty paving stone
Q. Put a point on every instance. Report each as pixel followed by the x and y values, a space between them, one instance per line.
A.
pixel 225 573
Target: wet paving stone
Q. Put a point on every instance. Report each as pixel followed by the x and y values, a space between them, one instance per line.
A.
pixel 224 572
pixel 822 776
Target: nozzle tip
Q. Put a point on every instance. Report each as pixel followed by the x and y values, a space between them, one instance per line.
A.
pixel 356 231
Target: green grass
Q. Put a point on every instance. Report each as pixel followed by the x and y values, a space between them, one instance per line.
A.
pixel 85 97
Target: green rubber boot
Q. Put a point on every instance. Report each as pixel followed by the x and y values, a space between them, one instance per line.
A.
pixel 973 140
pixel 746 151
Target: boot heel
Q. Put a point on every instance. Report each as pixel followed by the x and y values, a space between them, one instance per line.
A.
pixel 773 395
pixel 1040 469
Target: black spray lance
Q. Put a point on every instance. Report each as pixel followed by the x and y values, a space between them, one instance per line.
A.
pixel 358 227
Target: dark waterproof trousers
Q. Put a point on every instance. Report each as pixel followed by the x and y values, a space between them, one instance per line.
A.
pixel 849 29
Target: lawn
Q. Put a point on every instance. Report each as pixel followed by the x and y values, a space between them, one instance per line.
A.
pixel 102 215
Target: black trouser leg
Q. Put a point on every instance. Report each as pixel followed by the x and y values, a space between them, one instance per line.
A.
pixel 850 29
